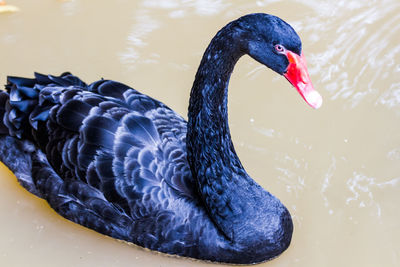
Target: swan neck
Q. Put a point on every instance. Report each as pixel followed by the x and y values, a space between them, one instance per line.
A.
pixel 211 155
pixel 208 127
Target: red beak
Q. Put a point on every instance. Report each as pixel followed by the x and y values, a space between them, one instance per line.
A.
pixel 297 75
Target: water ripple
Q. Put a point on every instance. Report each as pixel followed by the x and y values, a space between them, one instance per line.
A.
pixel 360 60
pixel 362 188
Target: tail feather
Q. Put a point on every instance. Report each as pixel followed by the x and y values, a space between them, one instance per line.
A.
pixel 65 79
pixel 19 81
pixel 19 102
pixel 19 111
pixel 22 100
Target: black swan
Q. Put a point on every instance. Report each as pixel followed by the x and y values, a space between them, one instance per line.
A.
pixel 125 165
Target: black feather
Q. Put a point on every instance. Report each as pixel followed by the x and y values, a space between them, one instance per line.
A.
pixel 72 113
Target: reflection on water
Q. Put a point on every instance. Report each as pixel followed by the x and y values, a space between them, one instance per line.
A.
pixel 70 8
pixel 336 169
pixel 179 8
pixel 143 25
pixel 367 41
pixel 6 8
pixel 326 183
pixel 362 188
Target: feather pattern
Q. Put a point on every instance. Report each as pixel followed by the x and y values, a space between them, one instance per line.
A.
pixel 124 164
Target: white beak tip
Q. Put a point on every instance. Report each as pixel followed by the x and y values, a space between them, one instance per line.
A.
pixel 314 99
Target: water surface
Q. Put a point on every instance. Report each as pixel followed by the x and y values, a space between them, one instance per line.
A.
pixel 337 169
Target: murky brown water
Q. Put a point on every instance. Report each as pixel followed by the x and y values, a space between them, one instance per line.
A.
pixel 337 169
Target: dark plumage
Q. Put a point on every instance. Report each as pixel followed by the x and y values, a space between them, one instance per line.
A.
pixel 123 164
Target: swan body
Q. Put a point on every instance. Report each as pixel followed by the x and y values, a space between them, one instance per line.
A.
pixel 124 164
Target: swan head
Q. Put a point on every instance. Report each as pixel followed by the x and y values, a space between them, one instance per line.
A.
pixel 275 44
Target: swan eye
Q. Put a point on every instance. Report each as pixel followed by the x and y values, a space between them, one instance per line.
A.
pixel 279 48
